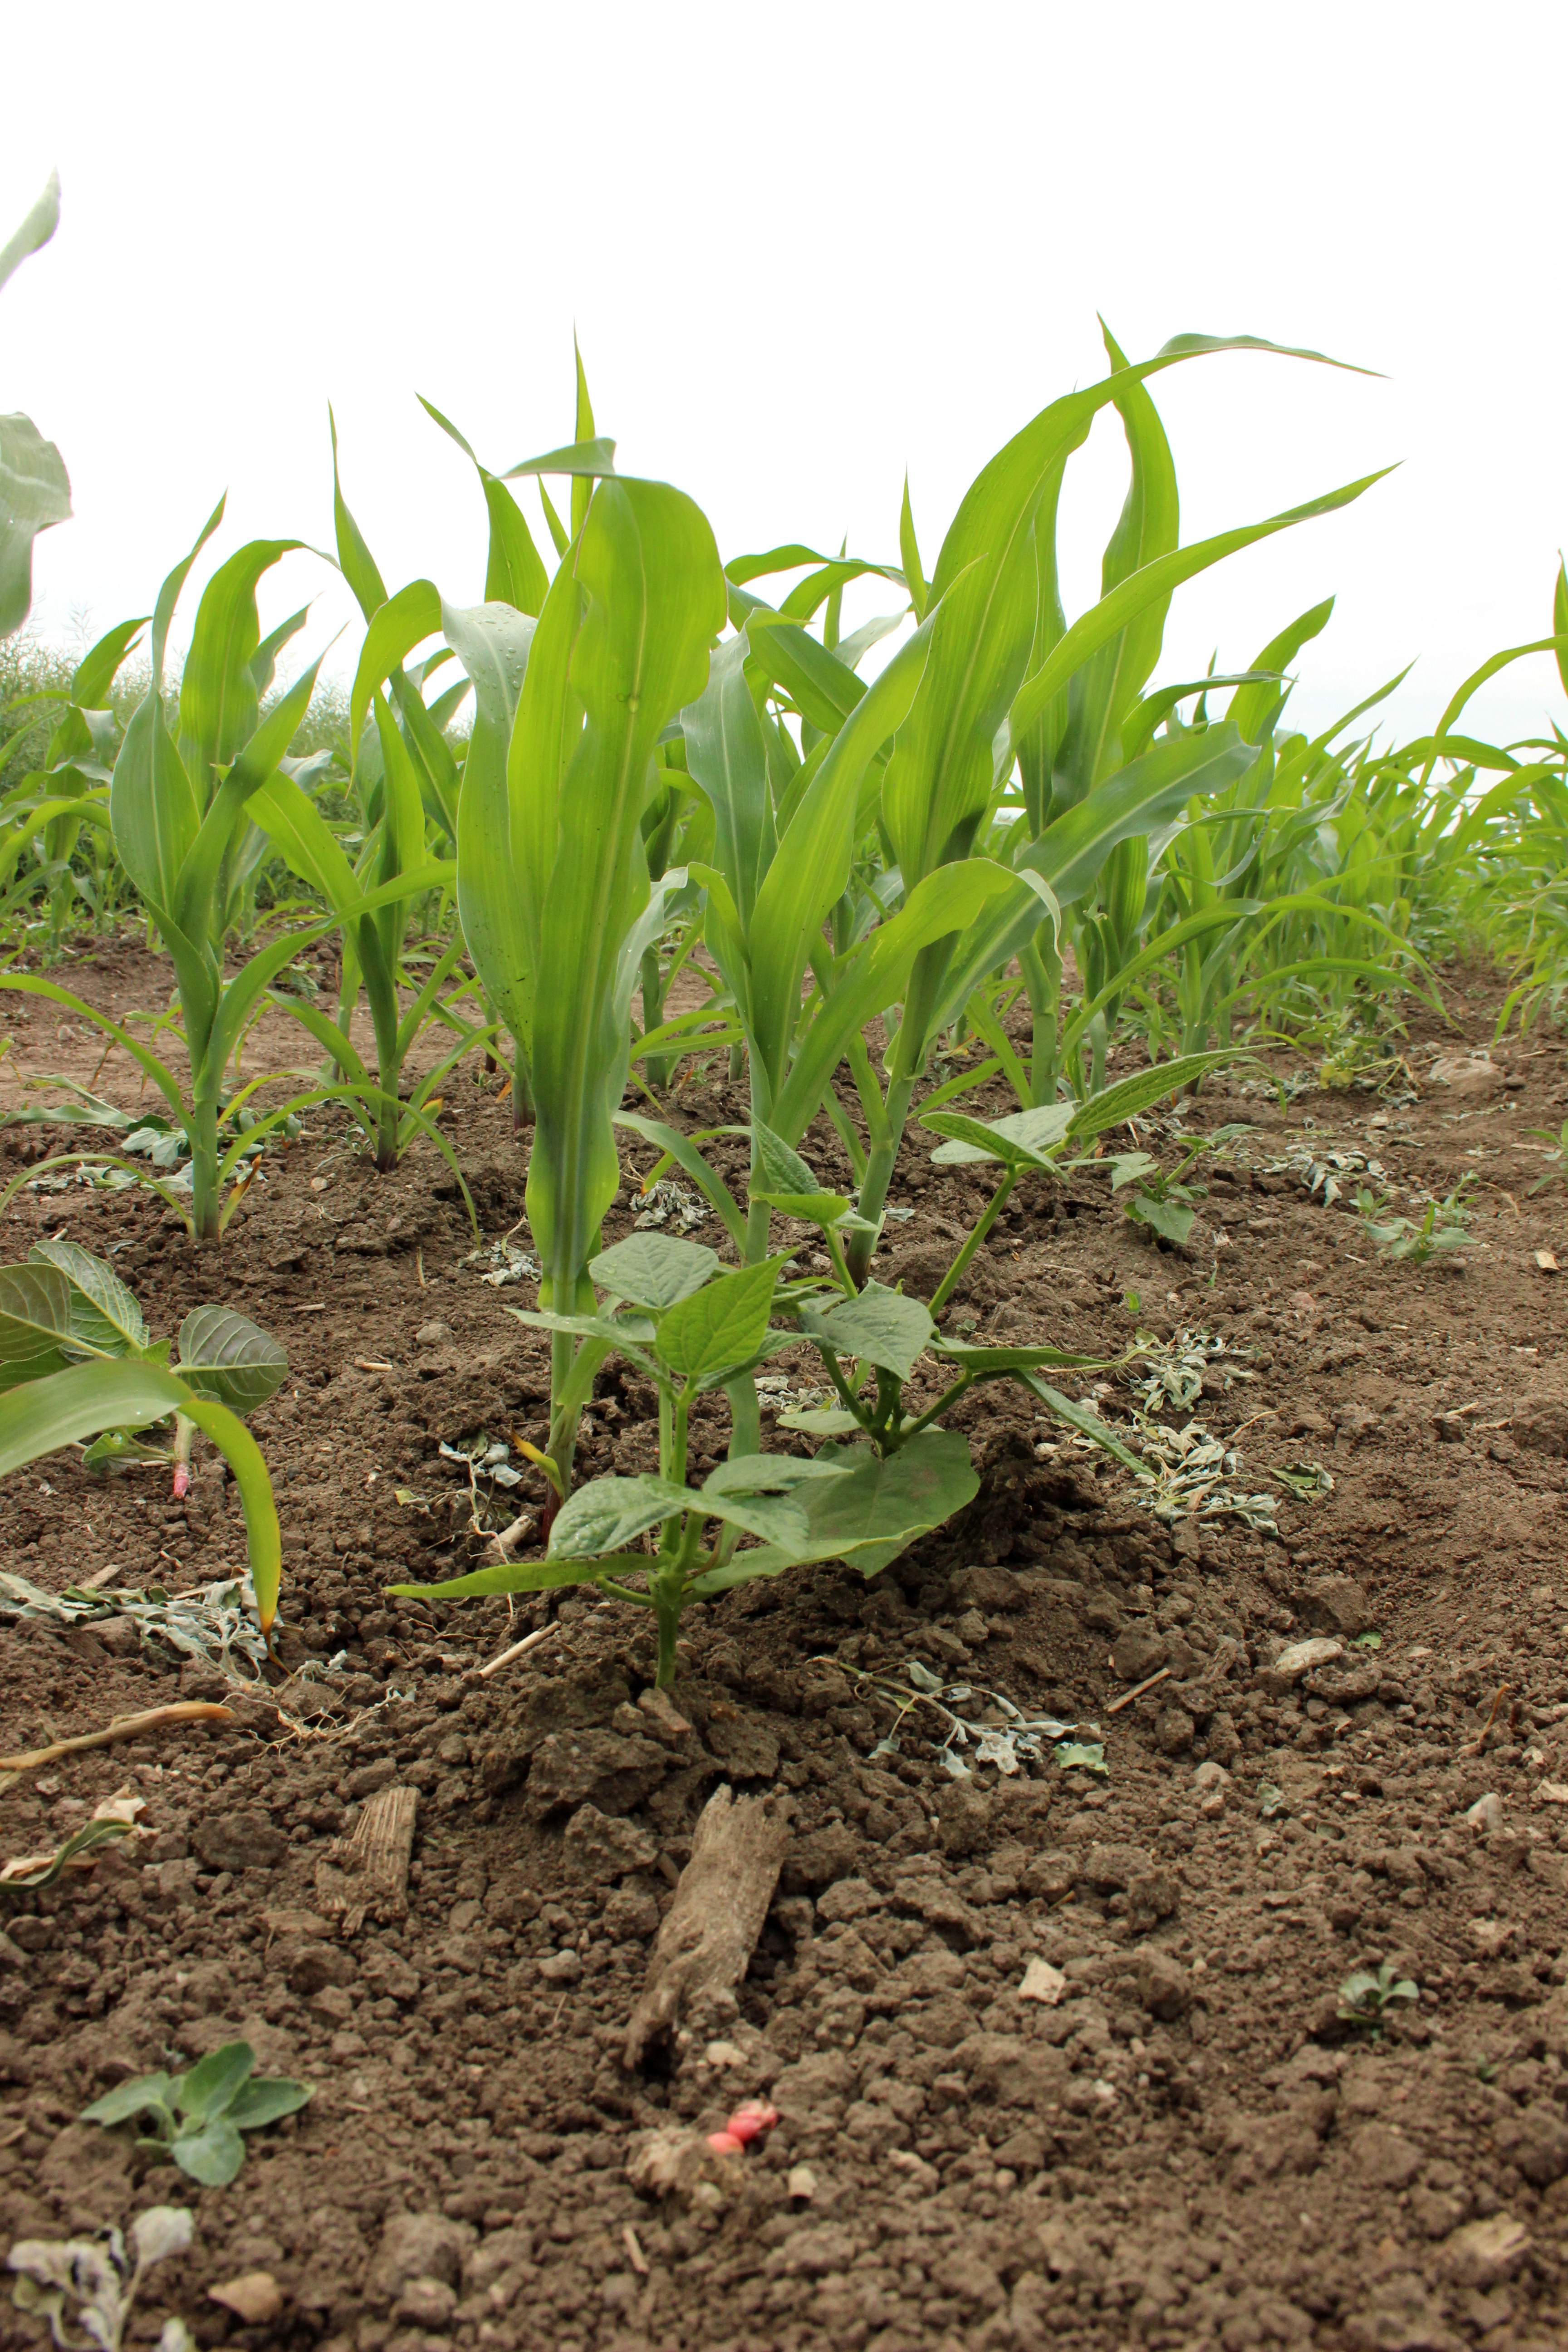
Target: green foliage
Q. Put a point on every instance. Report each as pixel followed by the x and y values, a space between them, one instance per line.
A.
pixel 199 2117
pixel 77 1362
pixel 1439 1230
pixel 1366 1996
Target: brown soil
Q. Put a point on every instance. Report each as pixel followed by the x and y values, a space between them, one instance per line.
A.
pixel 1189 2148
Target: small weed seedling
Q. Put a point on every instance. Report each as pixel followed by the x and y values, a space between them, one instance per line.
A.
pixel 1162 1199
pixel 1366 1996
pixel 198 2118
pixel 1556 1152
pixel 1441 1230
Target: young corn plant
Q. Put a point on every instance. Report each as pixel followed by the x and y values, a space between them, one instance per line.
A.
pixel 35 490
pixel 554 889
pixel 78 1364
pixel 46 809
pixel 377 897
pixel 178 810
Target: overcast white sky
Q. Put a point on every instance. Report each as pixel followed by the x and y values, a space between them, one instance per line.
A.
pixel 805 249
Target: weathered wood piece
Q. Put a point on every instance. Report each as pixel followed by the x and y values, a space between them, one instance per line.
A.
pixel 721 1902
pixel 369 1870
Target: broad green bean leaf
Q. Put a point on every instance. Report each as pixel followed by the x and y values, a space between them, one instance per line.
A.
pixel 212 2154
pixel 776 1167
pixel 103 1313
pixel 223 1354
pixel 34 494
pixel 35 1322
pixel 653 1270
pixel 1083 1418
pixel 1130 1097
pixel 1173 1219
pixel 761 1474
pixel 820 1420
pixel 211 2084
pixel 870 1515
pixel 1022 1139
pixel 129 2099
pixel 265 2100
pixel 719 1326
pixel 982 1360
pixel 823 1209
pixel 879 1327
pixel 523 1576
pixel 608 1512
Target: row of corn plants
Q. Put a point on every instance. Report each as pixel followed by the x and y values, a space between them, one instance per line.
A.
pixel 969 841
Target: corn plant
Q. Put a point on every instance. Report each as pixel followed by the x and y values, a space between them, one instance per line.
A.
pixel 553 891
pixel 47 809
pixel 77 1362
pixel 178 811
pixel 35 490
pixel 376 898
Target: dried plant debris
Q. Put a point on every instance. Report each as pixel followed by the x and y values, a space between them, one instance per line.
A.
pixel 98 2279
pixel 1191 1475
pixel 982 1726
pixel 1326 1175
pixel 1174 1370
pixel 500 1265
pixel 215 1623
pixel 671 1206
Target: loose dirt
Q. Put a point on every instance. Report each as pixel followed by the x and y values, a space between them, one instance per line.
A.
pixel 1187 2147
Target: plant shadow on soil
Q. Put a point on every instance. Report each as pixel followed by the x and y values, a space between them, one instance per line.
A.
pixel 1189 2148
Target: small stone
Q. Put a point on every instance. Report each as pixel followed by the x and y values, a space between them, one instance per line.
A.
pixel 334 2002
pixel 561 1968
pixel 1164 1986
pixel 1486 1814
pixel 434 1334
pixel 418 2245
pixel 1140 1651
pixel 1483 2253
pixel 1209 1775
pixel 800 2183
pixel 1384 2156
pixel 1302 1658
pixel 1042 1982
pixel 972 1628
pixel 242 1841
pixel 254 2297
pixel 630 1915
pixel 601 1846
pixel 663 1719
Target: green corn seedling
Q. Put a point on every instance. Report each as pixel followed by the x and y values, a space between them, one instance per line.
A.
pixel 35 488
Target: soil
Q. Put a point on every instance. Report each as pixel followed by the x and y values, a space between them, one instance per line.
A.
pixel 1188 2147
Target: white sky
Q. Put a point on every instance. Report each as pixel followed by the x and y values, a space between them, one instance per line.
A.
pixel 805 249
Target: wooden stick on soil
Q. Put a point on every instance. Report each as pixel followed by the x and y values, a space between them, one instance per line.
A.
pixel 124 1726
pixel 712 1928
pixel 370 1870
pixel 1137 1692
pixel 518 1650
